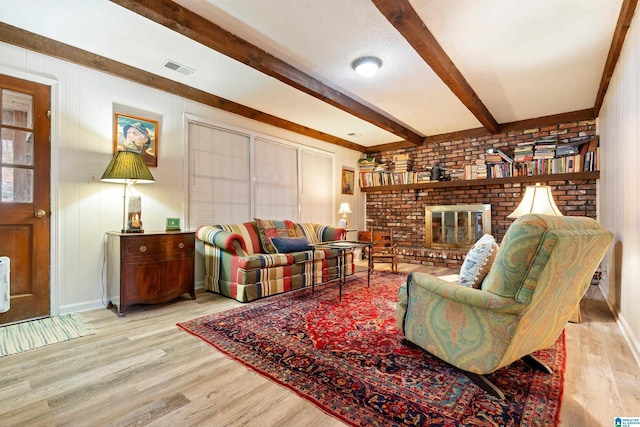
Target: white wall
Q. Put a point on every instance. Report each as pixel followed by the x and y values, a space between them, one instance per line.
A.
pixel 82 211
pixel 619 128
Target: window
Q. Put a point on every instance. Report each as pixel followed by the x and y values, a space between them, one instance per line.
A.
pixel 315 187
pixel 276 183
pixel 235 176
pixel 219 179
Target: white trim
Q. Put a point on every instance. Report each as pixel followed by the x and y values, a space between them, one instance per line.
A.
pixel 54 161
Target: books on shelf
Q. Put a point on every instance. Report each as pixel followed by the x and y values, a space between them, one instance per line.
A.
pixel 523 152
pixel 402 163
pixel 543 156
pixel 423 176
pixel 378 178
pixel 545 148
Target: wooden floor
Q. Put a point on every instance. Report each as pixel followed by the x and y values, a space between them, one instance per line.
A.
pixel 141 370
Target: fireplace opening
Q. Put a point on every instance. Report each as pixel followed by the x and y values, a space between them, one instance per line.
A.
pixel 456 226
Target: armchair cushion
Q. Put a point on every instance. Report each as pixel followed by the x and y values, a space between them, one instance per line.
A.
pixel 478 261
pixel 268 228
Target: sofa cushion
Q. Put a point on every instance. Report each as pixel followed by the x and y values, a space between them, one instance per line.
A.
pixel 268 228
pixel 261 261
pixel 478 261
pixel 286 245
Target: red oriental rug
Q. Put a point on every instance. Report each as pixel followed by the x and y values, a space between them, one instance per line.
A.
pixel 348 359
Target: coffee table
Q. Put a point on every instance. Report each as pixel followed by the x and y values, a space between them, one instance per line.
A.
pixel 344 247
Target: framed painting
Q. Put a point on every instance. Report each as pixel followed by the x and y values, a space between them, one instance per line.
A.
pixel 139 134
pixel 348 175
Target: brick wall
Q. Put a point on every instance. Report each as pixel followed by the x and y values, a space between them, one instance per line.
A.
pixel 403 211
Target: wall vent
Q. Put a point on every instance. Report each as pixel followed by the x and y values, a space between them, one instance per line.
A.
pixel 172 65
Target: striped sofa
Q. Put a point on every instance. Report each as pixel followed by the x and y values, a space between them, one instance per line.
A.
pixel 241 264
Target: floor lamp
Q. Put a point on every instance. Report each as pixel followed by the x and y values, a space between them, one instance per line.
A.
pixel 128 168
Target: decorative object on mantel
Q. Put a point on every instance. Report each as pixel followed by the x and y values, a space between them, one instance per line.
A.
pixel 344 210
pixel 537 200
pixel 128 168
pixel 347 358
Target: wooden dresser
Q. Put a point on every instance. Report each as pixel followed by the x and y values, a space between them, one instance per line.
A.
pixel 149 268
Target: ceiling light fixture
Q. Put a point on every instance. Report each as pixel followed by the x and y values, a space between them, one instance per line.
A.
pixel 367 65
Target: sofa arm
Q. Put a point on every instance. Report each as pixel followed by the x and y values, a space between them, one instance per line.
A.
pixel 327 233
pixel 223 239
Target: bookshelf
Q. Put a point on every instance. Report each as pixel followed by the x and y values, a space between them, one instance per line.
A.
pixel 482 182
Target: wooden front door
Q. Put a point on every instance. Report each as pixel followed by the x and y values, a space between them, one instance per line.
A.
pixel 25 200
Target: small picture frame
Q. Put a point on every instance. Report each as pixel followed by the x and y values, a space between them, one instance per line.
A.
pixel 139 134
pixel 348 176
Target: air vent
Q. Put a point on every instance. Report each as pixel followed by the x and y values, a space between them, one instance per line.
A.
pixel 172 65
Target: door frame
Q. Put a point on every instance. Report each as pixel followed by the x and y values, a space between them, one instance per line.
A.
pixel 54 245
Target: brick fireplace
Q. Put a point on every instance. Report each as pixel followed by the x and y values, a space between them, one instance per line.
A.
pixel 403 210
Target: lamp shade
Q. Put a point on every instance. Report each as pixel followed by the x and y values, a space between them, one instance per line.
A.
pixel 127 166
pixel 344 209
pixel 537 200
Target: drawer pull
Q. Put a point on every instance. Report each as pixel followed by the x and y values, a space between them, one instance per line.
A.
pixel 143 249
pixel 181 245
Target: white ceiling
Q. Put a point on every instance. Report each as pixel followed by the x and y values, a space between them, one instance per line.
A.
pixel 524 59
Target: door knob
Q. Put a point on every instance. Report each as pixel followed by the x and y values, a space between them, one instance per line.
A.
pixel 40 213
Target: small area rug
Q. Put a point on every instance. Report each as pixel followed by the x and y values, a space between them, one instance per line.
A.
pixel 348 359
pixel 38 333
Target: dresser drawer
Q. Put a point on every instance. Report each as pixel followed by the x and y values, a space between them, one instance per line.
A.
pixel 138 249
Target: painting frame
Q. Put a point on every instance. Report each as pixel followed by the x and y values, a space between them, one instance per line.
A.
pixel 348 180
pixel 143 139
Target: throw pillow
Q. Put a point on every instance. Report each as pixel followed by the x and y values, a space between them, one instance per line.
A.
pixel 285 245
pixel 478 261
pixel 268 228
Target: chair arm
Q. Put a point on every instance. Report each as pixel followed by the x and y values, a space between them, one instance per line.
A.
pixel 461 294
pixel 223 239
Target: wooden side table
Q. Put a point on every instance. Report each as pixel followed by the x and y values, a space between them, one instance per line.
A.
pixel 149 268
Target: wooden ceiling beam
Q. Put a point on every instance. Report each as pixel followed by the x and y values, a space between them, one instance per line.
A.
pixel 404 18
pixel 173 16
pixel 56 49
pixel 624 22
pixel 537 122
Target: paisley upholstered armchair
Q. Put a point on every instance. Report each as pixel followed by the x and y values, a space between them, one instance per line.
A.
pixel 542 269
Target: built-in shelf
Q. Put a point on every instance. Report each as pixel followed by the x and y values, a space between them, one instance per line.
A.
pixel 481 182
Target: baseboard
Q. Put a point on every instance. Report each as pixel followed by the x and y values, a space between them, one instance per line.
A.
pixel 97 304
pixel 626 331
pixel 85 306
